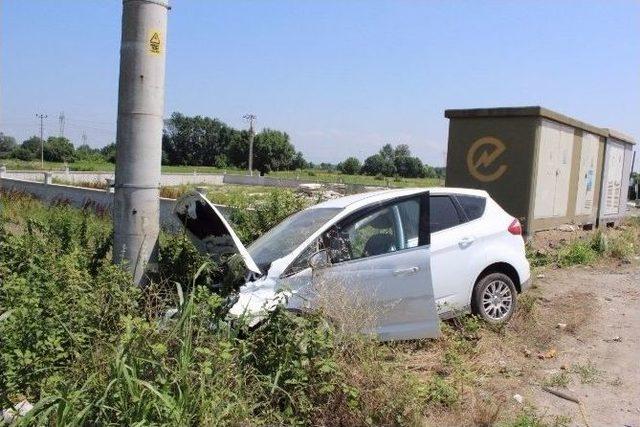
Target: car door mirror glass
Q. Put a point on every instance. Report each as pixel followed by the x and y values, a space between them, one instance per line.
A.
pixel 319 260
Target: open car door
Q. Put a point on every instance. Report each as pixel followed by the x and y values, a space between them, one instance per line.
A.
pixel 380 258
pixel 209 230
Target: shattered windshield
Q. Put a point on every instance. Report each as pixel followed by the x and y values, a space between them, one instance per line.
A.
pixel 289 234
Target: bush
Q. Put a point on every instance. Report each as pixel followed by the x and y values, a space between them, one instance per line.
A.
pixel 58 149
pixel 22 153
pixel 577 252
pixel 250 219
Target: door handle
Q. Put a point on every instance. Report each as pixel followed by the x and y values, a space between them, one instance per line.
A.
pixel 466 242
pixel 406 271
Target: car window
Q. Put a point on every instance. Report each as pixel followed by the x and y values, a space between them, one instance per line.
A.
pixel 289 234
pixel 443 213
pixel 410 216
pixel 384 230
pixel 302 261
pixel 473 206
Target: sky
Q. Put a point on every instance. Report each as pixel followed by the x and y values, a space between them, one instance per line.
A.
pixel 341 77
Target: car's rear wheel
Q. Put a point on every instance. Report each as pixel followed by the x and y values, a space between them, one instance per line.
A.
pixel 494 298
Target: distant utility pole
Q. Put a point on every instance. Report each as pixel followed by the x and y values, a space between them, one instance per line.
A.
pixel 251 118
pixel 136 210
pixel 41 117
pixel 61 120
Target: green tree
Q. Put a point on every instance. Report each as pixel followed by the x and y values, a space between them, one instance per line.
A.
pixel 32 145
pixel 108 152
pixel 299 162
pixel 388 152
pixel 7 144
pixel 402 150
pixel 58 149
pixel 409 167
pixel 329 167
pixel 22 153
pixel 84 152
pixel 430 172
pixel 378 164
pixel 350 166
pixel 273 151
pixel 197 141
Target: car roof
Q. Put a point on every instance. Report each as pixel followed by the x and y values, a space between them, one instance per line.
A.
pixel 362 199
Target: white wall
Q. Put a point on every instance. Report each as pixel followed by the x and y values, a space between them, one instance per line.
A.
pixel 98 200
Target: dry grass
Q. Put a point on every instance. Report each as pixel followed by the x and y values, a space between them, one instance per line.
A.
pixel 485 364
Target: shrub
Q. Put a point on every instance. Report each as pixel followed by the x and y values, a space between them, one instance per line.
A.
pixel 577 252
pixel 251 220
pixel 22 153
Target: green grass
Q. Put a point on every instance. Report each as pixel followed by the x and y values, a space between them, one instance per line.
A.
pixel 621 244
pixel 337 177
pixel 312 175
pixel 588 372
pixel 561 379
pixel 15 164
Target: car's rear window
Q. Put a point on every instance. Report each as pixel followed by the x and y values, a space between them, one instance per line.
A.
pixel 473 206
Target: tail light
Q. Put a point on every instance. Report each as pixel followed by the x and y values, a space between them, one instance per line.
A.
pixel 515 228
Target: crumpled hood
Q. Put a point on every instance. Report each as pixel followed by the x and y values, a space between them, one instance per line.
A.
pixel 256 299
pixel 209 230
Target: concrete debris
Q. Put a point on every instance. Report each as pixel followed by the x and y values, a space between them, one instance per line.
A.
pixel 309 188
pixel 527 352
pixel 566 227
pixel 561 326
pixel 20 409
pixel 518 398
pixel 318 190
pixel 540 276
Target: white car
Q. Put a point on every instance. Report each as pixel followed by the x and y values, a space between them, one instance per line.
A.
pixel 416 255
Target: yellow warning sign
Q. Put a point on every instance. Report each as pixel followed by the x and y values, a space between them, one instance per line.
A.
pixel 155 42
pixel 492 149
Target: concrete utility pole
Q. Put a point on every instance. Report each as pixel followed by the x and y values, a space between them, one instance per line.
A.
pixel 251 118
pixel 41 117
pixel 139 134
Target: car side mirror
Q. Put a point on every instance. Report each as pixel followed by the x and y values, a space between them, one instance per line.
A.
pixel 319 260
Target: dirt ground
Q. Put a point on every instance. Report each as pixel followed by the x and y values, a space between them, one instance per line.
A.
pixel 577 330
pixel 602 353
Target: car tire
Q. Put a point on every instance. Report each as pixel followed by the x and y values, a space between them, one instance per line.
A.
pixel 494 298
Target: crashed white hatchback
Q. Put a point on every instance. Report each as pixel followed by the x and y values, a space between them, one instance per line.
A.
pixel 414 255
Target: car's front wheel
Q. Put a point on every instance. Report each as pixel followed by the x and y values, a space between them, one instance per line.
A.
pixel 494 298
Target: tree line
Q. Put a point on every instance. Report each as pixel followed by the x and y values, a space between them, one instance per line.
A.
pixel 391 161
pixel 206 141
pixel 54 149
